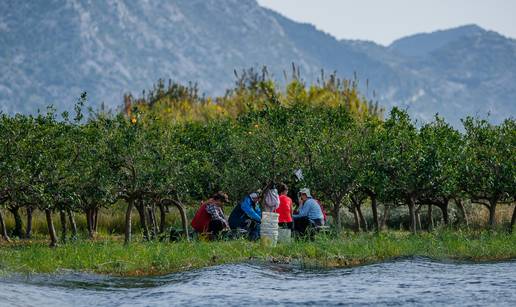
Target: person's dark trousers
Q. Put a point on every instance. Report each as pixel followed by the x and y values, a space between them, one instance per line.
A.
pixel 301 224
pixel 286 225
pixel 253 229
pixel 215 227
pixel 317 222
pixel 312 229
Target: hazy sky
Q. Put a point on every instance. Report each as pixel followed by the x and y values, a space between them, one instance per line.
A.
pixel 383 21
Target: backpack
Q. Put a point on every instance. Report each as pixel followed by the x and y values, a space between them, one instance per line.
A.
pixel 271 199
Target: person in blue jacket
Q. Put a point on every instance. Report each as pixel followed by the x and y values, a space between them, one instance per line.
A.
pixel 310 213
pixel 247 215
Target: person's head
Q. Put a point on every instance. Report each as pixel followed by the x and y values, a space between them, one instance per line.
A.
pixel 255 197
pixel 304 194
pixel 282 189
pixel 220 198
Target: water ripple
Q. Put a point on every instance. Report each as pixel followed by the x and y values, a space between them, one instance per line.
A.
pixel 414 281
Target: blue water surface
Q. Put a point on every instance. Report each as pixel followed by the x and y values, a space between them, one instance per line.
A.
pixel 409 282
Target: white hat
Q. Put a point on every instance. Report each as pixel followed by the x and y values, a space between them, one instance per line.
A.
pixel 253 195
pixel 305 191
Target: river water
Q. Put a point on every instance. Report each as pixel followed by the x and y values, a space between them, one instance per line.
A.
pixel 414 281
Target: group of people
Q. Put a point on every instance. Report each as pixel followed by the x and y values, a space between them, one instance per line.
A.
pixel 247 215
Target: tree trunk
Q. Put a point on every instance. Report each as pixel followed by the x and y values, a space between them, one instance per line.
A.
pixel 143 220
pixel 513 220
pixel 335 213
pixel 18 224
pixel 95 219
pixel 51 229
pixel 127 238
pixel 430 218
pixel 363 221
pixel 412 213
pixel 28 230
pixel 89 223
pixel 462 210
pixel 162 218
pixel 492 213
pixel 385 217
pixel 62 216
pixel 444 210
pixel 356 218
pixel 418 218
pixel 374 207
pixel 3 229
pixel 184 219
pixel 152 221
pixel 73 225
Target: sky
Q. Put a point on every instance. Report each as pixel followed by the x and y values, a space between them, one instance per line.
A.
pixel 384 21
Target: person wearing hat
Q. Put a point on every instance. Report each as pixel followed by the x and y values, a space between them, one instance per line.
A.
pixel 210 218
pixel 247 215
pixel 310 213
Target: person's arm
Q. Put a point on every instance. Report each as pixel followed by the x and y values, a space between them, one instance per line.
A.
pixel 303 211
pixel 298 207
pixel 247 206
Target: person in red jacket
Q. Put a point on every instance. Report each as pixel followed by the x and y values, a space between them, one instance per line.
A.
pixel 210 218
pixel 285 208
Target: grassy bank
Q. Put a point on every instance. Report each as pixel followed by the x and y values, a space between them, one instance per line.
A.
pixel 109 256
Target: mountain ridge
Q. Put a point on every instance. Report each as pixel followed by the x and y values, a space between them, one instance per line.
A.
pixel 57 49
pixel 422 44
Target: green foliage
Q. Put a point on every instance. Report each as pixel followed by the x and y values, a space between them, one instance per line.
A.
pixel 241 142
pixel 442 146
pixel 489 160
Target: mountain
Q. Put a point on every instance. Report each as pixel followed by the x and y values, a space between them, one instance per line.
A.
pixel 424 43
pixel 53 50
pixel 470 71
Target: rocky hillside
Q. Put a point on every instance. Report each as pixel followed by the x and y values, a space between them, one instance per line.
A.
pixel 53 50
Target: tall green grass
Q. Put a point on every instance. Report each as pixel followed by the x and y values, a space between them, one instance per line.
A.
pixel 109 256
pixel 111 221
